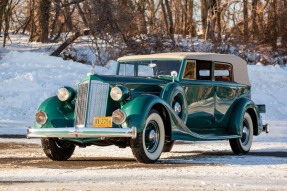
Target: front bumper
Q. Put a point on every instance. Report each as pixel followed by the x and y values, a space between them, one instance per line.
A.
pixel 75 132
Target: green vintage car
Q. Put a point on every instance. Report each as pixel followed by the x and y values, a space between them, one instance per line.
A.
pixel 152 101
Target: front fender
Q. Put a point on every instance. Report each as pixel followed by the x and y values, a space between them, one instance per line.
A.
pixel 137 110
pixel 235 122
pixel 60 114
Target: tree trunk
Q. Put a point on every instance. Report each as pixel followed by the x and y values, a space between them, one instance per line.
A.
pixel 245 17
pixel 70 40
pixel 41 18
pixel 171 29
pixel 56 18
pixel 283 21
pixel 3 5
pixel 204 17
pixel 190 18
pixel 151 14
pixel 68 18
pixel 142 22
pixel 254 16
pixel 176 16
pixel 184 18
pixel 272 22
pixel 167 24
pixel 218 20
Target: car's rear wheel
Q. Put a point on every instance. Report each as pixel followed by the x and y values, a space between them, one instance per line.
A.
pixel 148 145
pixel 242 145
pixel 56 149
pixel 168 146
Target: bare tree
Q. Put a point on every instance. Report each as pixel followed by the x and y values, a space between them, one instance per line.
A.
pixel 245 17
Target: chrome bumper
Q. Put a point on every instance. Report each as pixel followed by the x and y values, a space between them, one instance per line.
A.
pixel 266 128
pixel 75 132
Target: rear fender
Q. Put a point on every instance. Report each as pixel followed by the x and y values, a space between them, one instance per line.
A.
pixel 235 122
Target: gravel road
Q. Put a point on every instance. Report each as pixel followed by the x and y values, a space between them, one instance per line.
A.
pixel 190 166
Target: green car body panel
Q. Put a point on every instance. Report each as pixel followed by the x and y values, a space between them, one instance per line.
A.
pixel 211 110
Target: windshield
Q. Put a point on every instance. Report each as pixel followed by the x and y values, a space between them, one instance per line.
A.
pixel 148 68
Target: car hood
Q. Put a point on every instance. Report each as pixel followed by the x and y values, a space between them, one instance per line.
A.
pixel 124 80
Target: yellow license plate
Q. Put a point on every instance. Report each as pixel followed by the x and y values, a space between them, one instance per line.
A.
pixel 103 122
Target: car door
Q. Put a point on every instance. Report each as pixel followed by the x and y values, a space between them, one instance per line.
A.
pixel 200 93
pixel 226 93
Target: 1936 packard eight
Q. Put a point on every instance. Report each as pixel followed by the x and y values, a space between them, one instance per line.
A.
pixel 152 101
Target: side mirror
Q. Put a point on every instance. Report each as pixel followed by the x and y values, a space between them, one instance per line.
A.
pixel 173 74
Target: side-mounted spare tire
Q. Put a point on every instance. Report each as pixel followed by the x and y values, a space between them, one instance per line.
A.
pixel 174 94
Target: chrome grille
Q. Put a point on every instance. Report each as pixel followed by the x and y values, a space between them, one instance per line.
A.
pixel 81 108
pixel 98 95
pixel 97 101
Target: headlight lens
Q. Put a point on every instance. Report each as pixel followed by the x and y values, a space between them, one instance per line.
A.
pixel 119 117
pixel 116 93
pixel 63 94
pixel 41 117
pixel 120 93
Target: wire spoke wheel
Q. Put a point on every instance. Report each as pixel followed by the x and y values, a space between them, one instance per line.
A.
pixel 148 145
pixel 242 145
pixel 245 132
pixel 152 136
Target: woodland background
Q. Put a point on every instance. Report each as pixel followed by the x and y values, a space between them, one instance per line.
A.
pixel 121 27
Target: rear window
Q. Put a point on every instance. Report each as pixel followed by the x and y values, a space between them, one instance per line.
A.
pixel 223 72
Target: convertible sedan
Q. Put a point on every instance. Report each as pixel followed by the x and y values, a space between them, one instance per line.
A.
pixel 152 101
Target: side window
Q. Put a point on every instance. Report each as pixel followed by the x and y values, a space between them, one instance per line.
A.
pixel 126 70
pixel 222 72
pixel 145 70
pixel 203 70
pixel 189 72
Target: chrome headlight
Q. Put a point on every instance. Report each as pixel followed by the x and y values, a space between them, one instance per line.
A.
pixel 119 117
pixel 66 93
pixel 41 117
pixel 119 93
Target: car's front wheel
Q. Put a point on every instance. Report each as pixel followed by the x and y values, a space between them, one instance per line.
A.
pixel 148 145
pixel 242 145
pixel 56 149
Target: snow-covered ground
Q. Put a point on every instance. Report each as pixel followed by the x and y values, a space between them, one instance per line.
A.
pixel 193 166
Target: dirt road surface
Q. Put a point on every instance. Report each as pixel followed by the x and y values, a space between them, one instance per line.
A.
pixel 190 166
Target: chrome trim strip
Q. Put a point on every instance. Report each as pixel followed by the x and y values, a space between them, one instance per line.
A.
pixel 75 132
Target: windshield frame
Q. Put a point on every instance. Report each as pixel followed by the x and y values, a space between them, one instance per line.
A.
pixel 150 59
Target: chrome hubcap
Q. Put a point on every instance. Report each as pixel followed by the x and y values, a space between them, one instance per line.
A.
pixel 245 133
pixel 152 136
pixel 177 108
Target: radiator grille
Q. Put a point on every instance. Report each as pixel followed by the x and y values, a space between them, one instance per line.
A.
pixel 81 108
pixel 91 103
pixel 97 101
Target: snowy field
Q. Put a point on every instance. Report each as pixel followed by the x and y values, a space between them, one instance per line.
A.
pixel 28 78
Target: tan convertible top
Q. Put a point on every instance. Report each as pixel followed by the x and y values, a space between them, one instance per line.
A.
pixel 239 65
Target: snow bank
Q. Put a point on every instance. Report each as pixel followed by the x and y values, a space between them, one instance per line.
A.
pixel 269 87
pixel 29 78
